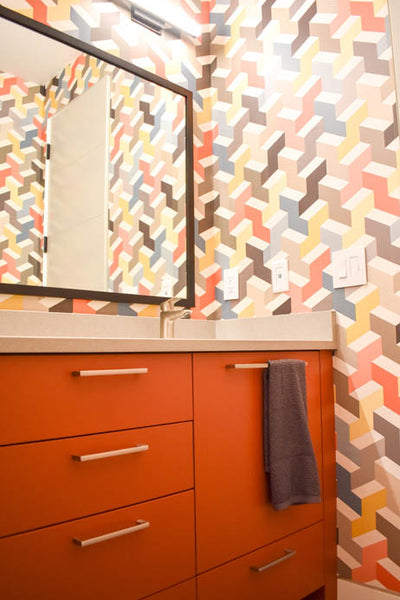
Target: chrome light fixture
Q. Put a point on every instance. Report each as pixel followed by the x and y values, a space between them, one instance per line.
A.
pixel 159 15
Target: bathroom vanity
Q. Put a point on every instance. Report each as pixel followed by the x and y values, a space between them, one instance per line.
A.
pixel 135 471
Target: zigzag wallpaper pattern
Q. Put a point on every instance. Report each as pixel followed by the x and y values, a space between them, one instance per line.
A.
pixel 21 180
pixel 296 155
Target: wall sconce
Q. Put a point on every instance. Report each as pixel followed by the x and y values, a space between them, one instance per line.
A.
pixel 157 16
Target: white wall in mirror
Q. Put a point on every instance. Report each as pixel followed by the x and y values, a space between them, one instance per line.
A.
pixel 76 211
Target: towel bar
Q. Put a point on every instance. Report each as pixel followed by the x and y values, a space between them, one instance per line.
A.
pixel 251 366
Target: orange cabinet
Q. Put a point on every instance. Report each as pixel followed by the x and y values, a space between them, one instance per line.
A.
pixel 286 570
pixel 150 485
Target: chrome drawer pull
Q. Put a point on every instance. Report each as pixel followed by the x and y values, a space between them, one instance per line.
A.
pixel 102 372
pixel 251 366
pixel 140 524
pixel 288 554
pixel 110 453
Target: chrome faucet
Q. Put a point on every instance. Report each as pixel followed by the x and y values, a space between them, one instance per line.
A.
pixel 169 313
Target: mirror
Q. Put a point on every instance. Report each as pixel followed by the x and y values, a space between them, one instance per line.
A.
pixel 96 172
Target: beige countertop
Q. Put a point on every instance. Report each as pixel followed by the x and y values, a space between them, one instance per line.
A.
pixel 29 345
pixel 28 332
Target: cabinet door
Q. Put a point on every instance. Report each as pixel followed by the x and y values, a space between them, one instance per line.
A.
pixel 47 564
pixel 233 512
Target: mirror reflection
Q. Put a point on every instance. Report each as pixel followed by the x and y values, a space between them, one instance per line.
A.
pixel 93 172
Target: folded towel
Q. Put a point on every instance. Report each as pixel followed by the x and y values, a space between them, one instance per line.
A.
pixel 289 457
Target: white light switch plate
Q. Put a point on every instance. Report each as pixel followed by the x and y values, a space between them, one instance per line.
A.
pixel 231 284
pixel 280 275
pixel 349 268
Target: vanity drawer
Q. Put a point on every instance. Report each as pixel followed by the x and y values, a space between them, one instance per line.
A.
pixel 42 399
pixel 299 574
pixel 60 488
pixel 46 563
pixel 231 484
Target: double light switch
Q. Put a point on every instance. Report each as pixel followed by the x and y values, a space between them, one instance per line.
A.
pixel 349 267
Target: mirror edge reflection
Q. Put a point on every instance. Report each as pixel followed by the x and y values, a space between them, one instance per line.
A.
pixel 119 297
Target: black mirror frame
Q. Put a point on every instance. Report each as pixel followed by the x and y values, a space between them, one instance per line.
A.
pixel 30 290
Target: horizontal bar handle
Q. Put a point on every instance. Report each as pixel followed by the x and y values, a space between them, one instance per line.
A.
pixel 110 453
pixel 102 372
pixel 288 554
pixel 251 366
pixel 140 524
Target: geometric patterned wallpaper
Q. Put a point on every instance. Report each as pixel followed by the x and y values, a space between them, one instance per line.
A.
pixel 21 180
pixel 147 237
pixel 296 155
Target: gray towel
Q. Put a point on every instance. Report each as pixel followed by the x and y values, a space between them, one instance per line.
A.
pixel 288 452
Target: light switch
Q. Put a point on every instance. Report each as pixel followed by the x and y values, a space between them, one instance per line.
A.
pixel 231 284
pixel 349 267
pixel 280 276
